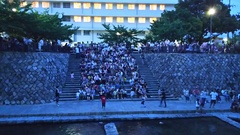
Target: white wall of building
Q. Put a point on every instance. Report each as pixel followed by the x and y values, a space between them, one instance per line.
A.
pixel 90 19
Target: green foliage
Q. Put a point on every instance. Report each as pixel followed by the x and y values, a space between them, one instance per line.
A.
pixel 190 19
pixel 119 34
pixel 24 22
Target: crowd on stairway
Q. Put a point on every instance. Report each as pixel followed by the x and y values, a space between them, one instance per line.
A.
pixel 108 69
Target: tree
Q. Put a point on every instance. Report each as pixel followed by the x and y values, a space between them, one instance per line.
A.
pixel 223 21
pixel 22 21
pixel 174 25
pixel 193 21
pixel 119 34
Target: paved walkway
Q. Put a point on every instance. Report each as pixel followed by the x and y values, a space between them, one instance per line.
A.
pixel 115 110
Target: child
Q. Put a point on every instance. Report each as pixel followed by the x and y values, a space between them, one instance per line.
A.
pixel 197 105
pixel 132 93
pixel 103 99
pixel 72 76
pixel 77 95
pixel 143 100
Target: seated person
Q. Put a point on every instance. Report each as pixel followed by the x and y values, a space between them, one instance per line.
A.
pixel 235 106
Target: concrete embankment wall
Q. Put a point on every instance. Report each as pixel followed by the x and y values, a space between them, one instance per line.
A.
pixel 31 78
pixel 176 72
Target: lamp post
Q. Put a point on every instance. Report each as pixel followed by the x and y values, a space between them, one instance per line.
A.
pixel 211 12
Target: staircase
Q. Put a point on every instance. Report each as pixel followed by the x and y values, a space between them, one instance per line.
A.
pixel 152 83
pixel 71 85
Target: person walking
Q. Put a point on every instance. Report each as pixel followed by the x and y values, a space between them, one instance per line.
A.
pixel 163 98
pixel 57 94
pixel 213 96
pixel 103 100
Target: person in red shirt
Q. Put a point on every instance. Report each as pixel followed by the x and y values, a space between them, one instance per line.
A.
pixel 103 99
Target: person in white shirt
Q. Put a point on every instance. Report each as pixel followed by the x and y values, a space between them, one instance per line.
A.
pixel 213 96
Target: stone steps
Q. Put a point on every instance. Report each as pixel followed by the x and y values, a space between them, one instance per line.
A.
pixel 146 73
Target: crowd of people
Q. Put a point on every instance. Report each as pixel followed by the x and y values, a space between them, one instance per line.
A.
pixel 174 47
pixel 212 97
pixel 28 45
pixel 108 70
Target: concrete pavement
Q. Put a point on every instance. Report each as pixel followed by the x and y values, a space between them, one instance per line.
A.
pixel 73 111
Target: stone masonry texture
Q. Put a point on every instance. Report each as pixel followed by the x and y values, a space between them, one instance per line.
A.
pixel 175 71
pixel 31 78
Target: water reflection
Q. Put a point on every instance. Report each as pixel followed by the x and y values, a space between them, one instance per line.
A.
pixel 87 128
pixel 186 126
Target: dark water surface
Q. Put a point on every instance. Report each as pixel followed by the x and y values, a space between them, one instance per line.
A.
pixel 186 126
pixel 88 128
pixel 189 126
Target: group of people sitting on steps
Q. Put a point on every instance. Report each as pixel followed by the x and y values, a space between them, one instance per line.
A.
pixel 109 70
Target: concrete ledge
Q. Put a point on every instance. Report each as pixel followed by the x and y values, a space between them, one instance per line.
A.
pixel 103 113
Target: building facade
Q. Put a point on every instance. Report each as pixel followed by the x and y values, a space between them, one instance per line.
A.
pixel 89 15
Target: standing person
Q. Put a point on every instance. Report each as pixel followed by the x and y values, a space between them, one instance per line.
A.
pixel 77 52
pixel 213 96
pixel 197 105
pixel 163 98
pixel 143 100
pixel 72 76
pixel 103 99
pixel 159 92
pixel 57 93
pixel 203 98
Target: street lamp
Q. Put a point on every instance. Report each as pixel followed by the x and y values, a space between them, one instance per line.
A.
pixel 211 12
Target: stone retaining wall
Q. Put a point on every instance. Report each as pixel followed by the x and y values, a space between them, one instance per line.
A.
pixel 176 72
pixel 31 78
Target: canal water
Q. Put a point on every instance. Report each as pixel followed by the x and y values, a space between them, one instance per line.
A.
pixel 186 126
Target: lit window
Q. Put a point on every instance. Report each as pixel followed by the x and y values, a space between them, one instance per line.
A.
pixel 87 19
pixel 66 18
pixel 86 32
pixel 35 4
pixel 120 19
pixel 151 20
pixel 131 6
pixel 56 5
pixel 153 7
pixel 162 7
pixel 23 4
pixel 45 4
pixel 77 19
pixel 131 20
pixel 76 5
pixel 86 5
pixel 141 20
pixel 119 6
pixel 109 6
pixel 109 19
pixel 97 6
pixel 142 7
pixel 66 5
pixel 97 19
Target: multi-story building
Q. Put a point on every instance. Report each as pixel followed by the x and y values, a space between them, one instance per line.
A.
pixel 89 15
